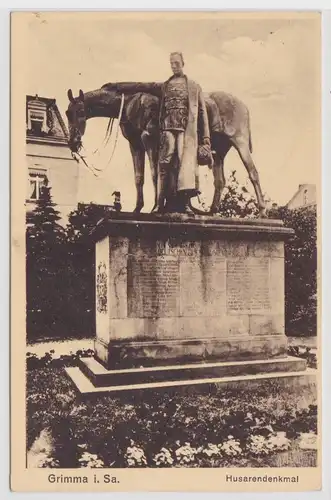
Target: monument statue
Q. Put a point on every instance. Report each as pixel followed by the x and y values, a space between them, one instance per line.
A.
pixel 146 112
pixel 183 124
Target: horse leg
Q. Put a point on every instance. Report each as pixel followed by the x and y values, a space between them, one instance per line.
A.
pixel 222 147
pixel 242 147
pixel 138 157
pixel 219 183
pixel 151 148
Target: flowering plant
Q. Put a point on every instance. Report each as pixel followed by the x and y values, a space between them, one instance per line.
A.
pixel 135 456
pixel 90 460
pixel 185 454
pixel 212 450
pixel 231 447
pixel 49 462
pixel 259 445
pixel 163 457
pixel 279 441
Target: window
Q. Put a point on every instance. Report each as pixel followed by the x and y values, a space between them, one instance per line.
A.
pixel 36 182
pixel 305 197
pixel 37 123
pixel 37 118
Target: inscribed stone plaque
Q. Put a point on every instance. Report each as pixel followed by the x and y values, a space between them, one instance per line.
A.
pixel 191 300
pixel 214 284
pixel 153 287
pixel 247 286
pixel 167 286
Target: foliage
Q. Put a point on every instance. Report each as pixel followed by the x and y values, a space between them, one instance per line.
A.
pixel 60 271
pixel 84 219
pixel 306 354
pixel 161 429
pixel 48 360
pixel 81 258
pixel 45 250
pixel 300 270
pixel 237 201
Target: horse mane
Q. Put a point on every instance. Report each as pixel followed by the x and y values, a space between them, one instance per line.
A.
pixel 109 86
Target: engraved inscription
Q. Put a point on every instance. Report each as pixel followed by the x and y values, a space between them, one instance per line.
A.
pixel 248 285
pixel 237 250
pixel 141 287
pixel 191 287
pixel 101 288
pixel 167 278
pixel 214 278
pixel 153 287
pixel 172 248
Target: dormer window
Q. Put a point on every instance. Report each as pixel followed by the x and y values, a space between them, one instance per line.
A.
pixel 37 118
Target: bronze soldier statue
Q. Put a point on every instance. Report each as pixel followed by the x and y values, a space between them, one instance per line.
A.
pixel 184 126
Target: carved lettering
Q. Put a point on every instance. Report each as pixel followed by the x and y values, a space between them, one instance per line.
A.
pixel 171 248
pixel 247 286
pixel 153 287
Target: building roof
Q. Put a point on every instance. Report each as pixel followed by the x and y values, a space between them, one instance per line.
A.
pixel 53 129
pixel 297 200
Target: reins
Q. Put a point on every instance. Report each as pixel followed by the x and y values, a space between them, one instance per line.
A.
pixel 106 139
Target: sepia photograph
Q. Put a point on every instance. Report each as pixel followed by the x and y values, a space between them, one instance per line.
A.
pixel 166 251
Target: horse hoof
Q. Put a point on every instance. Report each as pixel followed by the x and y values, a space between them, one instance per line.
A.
pixel 157 210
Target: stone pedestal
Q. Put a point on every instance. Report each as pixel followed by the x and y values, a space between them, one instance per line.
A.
pixel 175 292
pixel 190 290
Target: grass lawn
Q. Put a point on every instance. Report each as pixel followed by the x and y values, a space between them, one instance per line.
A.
pixel 190 428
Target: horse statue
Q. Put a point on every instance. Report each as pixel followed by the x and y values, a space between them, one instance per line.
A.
pixel 138 120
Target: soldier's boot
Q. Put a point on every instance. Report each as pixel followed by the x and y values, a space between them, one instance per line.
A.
pixel 184 205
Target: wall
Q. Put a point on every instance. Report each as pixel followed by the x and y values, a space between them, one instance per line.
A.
pixel 62 173
pixel 305 196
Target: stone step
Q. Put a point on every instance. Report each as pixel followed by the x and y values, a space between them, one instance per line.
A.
pixel 100 376
pixel 286 380
pixel 179 351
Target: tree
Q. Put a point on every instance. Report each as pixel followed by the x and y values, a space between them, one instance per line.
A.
pixel 45 249
pixel 83 220
pixel 81 266
pixel 43 230
pixel 300 270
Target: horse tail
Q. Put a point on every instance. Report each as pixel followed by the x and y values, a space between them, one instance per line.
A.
pixel 250 145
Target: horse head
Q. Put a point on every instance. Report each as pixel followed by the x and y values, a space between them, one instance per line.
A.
pixel 76 116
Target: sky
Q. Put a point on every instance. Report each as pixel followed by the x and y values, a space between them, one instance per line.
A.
pixel 272 64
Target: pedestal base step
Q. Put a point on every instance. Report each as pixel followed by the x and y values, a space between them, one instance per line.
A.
pixel 284 379
pixel 100 376
pixel 92 378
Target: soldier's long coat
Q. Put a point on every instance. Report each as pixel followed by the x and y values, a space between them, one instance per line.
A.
pixel 188 178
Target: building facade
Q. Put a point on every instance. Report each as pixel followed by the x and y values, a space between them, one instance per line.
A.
pixel 48 157
pixel 304 197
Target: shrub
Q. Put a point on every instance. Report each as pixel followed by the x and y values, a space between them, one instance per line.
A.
pixel 159 429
